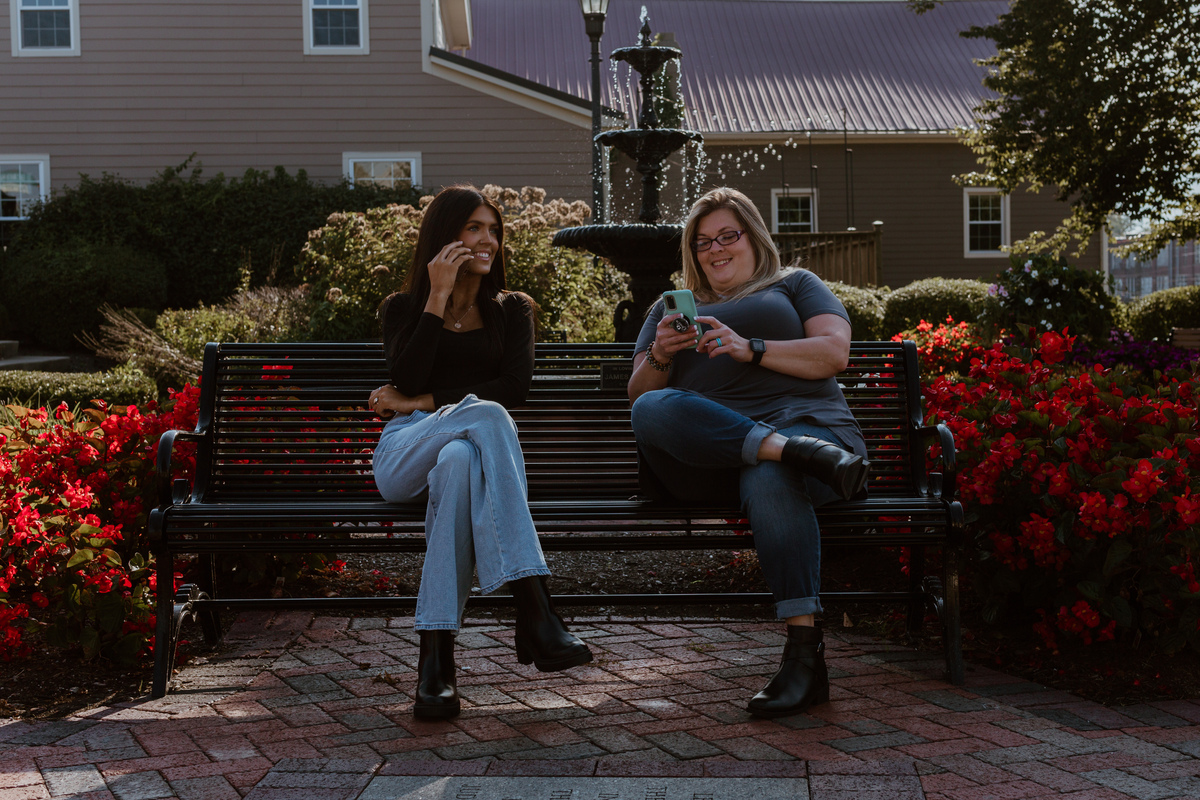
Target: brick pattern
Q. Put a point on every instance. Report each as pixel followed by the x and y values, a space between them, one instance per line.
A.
pixel 296 706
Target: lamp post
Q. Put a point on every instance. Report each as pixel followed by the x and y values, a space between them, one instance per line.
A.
pixel 594 12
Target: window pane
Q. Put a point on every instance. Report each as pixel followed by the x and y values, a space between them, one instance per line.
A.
pixel 795 214
pixel 984 208
pixel 335 28
pixel 45 29
pixel 20 188
pixel 390 174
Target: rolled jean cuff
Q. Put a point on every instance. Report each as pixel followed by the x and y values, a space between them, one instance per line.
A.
pixel 797 607
pixel 436 626
pixel 525 573
pixel 753 442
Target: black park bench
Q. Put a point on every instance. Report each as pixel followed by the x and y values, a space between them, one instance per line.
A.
pixel 283 465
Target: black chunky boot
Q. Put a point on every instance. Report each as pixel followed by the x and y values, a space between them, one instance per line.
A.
pixel 802 680
pixel 846 472
pixel 437 694
pixel 542 637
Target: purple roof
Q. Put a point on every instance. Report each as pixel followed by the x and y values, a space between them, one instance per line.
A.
pixel 752 66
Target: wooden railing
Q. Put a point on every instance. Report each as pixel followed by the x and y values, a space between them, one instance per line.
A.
pixel 851 257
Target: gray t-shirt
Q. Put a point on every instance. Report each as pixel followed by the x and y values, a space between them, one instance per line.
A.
pixel 775 313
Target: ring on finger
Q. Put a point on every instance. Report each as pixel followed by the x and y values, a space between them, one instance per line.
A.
pixel 718 340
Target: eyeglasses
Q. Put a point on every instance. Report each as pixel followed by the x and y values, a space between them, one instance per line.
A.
pixel 725 239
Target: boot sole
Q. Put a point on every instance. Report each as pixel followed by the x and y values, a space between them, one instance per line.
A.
pixel 422 711
pixel 766 713
pixel 558 664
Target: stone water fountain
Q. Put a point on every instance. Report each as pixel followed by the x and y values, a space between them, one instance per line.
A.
pixel 647 251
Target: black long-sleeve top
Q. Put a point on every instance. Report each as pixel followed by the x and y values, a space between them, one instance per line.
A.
pixel 451 365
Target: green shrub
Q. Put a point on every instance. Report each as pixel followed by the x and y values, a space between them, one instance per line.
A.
pixel 932 300
pixel 1049 294
pixel 203 230
pixel 865 307
pixel 357 259
pixel 123 385
pixel 55 294
pixel 1153 316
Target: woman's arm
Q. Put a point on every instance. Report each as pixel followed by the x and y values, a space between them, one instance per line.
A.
pixel 667 342
pixel 822 353
pixel 387 402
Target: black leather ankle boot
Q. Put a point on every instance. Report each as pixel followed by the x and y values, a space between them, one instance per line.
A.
pixel 846 472
pixel 802 680
pixel 437 694
pixel 542 637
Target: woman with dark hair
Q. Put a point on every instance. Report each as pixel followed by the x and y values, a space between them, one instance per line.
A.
pixel 750 413
pixel 459 350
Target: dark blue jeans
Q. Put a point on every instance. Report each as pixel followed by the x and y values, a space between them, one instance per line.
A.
pixel 705 453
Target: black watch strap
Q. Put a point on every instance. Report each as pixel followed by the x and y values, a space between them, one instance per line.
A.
pixel 758 347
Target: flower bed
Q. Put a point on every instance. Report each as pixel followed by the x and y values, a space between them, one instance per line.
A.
pixel 1081 492
pixel 74 494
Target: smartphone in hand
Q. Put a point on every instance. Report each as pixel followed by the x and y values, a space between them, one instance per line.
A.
pixel 681 301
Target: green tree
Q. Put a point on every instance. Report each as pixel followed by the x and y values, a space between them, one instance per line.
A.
pixel 1101 99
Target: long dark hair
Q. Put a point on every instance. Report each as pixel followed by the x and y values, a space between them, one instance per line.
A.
pixel 444 220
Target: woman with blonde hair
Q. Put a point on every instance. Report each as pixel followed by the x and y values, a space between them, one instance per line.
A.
pixel 751 414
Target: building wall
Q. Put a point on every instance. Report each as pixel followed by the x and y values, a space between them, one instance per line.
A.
pixel 907 186
pixel 230 82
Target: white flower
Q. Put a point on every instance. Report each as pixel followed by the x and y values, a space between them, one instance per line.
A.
pixel 1054 281
pixel 1102 306
pixel 1048 326
pixel 1028 264
pixel 1028 301
pixel 1058 304
pixel 1033 274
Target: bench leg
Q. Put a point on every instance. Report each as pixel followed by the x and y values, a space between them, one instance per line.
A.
pixel 164 637
pixel 209 618
pixel 952 617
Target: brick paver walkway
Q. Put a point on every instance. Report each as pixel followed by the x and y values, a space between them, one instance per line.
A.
pixel 298 706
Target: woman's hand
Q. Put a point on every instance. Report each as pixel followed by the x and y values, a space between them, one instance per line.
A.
pixel 668 341
pixel 444 269
pixel 387 402
pixel 720 339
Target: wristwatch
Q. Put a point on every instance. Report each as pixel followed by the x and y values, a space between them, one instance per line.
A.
pixel 758 347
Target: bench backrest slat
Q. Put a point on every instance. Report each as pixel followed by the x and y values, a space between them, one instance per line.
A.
pixel 289 421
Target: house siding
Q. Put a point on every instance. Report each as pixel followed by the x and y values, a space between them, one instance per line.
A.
pixel 907 186
pixel 230 83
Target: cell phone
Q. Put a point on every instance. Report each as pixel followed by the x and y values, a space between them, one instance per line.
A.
pixel 681 301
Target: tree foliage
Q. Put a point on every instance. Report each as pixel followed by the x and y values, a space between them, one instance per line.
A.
pixel 1101 99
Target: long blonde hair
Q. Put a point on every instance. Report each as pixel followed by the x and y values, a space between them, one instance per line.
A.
pixel 767 267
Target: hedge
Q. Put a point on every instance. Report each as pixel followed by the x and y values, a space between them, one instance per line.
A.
pixel 932 300
pixel 123 385
pixel 865 307
pixel 1153 316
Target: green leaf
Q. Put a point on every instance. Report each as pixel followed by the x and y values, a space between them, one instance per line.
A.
pixel 72 600
pixel 89 639
pixel 110 612
pixel 80 557
pixel 1121 612
pixel 1092 590
pixel 60 634
pixel 126 649
pixel 1117 553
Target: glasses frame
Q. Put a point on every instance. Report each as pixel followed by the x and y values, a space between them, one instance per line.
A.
pixel 701 245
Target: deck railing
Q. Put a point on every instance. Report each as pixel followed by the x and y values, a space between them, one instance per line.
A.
pixel 851 257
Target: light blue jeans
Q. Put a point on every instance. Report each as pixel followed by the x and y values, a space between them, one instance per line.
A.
pixel 467 458
pixel 705 453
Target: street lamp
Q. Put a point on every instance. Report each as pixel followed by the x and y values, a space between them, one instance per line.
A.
pixel 594 12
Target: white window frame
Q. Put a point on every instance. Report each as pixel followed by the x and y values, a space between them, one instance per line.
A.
pixel 778 193
pixel 413 157
pixel 1005 239
pixel 19 51
pixel 364 40
pixel 43 162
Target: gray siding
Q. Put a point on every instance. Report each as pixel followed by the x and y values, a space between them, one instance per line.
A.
pixel 230 82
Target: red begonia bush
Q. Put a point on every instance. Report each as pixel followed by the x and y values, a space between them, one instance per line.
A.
pixel 949 347
pixel 1082 491
pixel 75 490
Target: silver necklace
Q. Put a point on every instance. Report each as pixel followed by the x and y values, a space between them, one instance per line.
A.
pixel 458 322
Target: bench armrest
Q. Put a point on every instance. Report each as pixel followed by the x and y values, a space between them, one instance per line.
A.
pixel 162 466
pixel 943 484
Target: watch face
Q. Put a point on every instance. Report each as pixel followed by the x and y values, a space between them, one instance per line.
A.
pixel 758 345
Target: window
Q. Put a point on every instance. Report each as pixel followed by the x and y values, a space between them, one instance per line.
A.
pixel 23 184
pixel 390 170
pixel 793 211
pixel 45 27
pixel 335 27
pixel 985 222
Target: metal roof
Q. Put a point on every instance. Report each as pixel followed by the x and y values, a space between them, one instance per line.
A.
pixel 755 66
